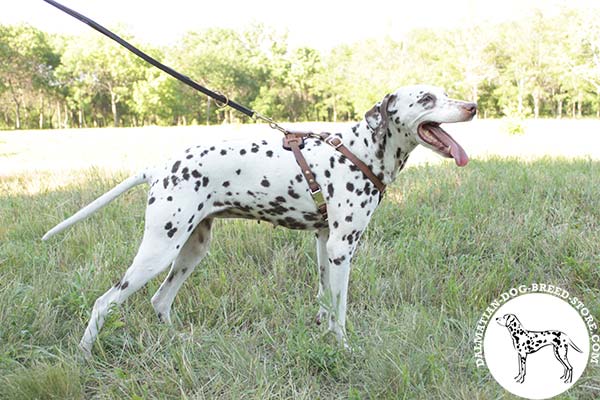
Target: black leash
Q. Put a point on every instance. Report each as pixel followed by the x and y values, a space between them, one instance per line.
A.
pixel 224 100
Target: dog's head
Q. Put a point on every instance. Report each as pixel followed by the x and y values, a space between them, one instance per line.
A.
pixel 418 111
pixel 508 320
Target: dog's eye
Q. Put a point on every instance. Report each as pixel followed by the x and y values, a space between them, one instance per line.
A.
pixel 428 98
pixel 427 101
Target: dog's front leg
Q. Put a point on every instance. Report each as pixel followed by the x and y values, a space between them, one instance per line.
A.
pixel 323 268
pixel 339 255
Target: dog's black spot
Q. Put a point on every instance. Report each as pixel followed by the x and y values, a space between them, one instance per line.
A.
pixel 298 178
pixel 339 260
pixel 171 276
pixel 171 232
pixel 174 180
pixel 185 174
pixel 238 171
pixel 124 285
pixel 151 200
pixel 348 218
pixel 335 224
pixel 166 182
pixel 205 181
pixel 191 219
pixel 197 185
pixel 190 228
pixel 330 190
pixel 200 206
pixel 280 199
pixel 226 184
pixel 265 183
pixel 242 152
pixel 196 174
pixel 331 162
pixel 189 156
pixel 269 153
pixel 410 105
pixel 175 166
pixel 170 198
pixel 168 226
pixel 350 187
pixel 118 284
pixel 223 152
pixel 327 173
pixel 254 148
pixel 293 194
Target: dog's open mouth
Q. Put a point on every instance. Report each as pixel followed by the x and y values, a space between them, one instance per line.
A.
pixel 432 134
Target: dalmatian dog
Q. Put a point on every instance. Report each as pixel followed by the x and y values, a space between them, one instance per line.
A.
pixel 528 342
pixel 260 180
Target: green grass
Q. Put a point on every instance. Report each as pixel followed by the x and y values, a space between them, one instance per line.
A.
pixel 444 243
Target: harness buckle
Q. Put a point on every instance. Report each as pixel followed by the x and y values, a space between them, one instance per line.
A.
pixel 319 200
pixel 334 141
pixel 317 196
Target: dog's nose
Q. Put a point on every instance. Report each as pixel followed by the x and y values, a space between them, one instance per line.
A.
pixel 471 108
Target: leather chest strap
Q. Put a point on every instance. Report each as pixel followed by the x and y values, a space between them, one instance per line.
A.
pixel 295 143
pixel 337 143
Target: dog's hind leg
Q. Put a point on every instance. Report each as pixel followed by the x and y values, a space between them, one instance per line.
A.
pixel 565 368
pixel 192 252
pixel 323 268
pixel 561 353
pixel 157 250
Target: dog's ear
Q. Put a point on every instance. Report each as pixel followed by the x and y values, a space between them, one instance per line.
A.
pixel 377 117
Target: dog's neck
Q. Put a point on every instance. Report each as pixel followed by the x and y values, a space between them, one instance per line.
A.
pixel 385 153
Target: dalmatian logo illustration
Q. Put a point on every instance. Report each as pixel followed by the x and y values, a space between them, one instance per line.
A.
pixel 527 342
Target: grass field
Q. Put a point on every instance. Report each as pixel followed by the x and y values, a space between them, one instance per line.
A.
pixel 444 243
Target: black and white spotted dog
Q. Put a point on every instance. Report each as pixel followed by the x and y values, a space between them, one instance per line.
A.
pixel 261 180
pixel 527 342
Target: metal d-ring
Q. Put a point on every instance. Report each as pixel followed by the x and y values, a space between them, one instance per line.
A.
pixel 221 104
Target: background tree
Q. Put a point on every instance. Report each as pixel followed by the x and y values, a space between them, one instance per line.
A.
pixel 538 66
pixel 99 69
pixel 26 72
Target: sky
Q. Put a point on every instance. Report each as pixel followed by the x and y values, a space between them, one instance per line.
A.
pixel 319 24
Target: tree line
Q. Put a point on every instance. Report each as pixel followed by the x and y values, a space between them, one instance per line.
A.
pixel 534 67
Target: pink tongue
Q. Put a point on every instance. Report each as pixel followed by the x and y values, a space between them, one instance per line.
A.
pixel 459 154
pixel 456 151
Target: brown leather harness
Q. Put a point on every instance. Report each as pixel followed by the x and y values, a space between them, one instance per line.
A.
pixel 294 141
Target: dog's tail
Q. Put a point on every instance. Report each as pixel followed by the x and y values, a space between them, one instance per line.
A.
pixel 573 346
pixel 98 203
